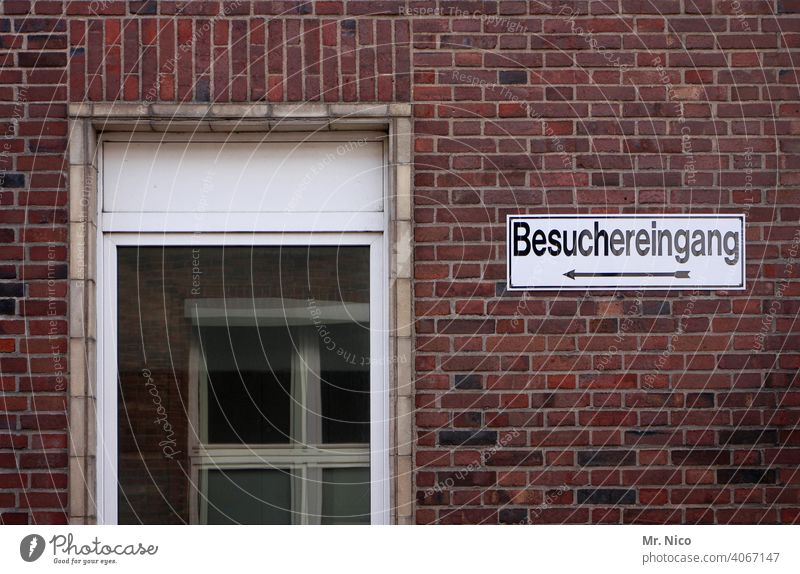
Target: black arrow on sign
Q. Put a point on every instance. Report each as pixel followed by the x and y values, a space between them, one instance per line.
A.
pixel 677 274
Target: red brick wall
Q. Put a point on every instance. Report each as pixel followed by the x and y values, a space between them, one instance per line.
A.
pixel 653 407
pixel 626 407
pixel 33 264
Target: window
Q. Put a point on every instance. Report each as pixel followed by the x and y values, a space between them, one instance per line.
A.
pixel 250 381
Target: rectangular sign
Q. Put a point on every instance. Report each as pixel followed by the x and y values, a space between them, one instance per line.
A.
pixel 585 252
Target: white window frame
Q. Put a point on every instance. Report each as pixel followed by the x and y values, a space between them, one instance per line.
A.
pixel 90 123
pixel 278 229
pixel 299 456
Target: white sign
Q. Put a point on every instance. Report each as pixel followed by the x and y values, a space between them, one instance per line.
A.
pixel 583 252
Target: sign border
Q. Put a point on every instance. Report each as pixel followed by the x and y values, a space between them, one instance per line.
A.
pixel 741 286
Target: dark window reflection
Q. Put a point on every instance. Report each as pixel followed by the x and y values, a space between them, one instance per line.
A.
pixel 246 348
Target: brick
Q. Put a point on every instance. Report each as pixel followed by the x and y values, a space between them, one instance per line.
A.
pixel 459 438
pixel 746 476
pixel 468 381
pixel 513 77
pixel 606 458
pixel 749 437
pixel 515 459
pixel 42 59
pixel 610 496
pixel 12 180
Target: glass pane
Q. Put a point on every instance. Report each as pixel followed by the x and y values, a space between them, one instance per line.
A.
pixel 248 497
pixel 345 385
pixel 345 496
pixel 233 346
pixel 249 384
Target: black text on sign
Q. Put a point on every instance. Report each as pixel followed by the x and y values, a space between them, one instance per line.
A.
pixel 581 252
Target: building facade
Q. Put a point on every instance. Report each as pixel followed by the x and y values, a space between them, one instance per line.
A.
pixel 333 178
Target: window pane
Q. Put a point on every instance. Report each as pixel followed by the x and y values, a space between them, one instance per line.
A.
pixel 345 496
pixel 230 346
pixel 249 384
pixel 249 497
pixel 345 385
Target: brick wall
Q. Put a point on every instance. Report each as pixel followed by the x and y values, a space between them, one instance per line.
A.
pixel 33 268
pixel 618 407
pixel 649 407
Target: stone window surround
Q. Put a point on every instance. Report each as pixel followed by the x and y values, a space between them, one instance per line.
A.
pixel 89 120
